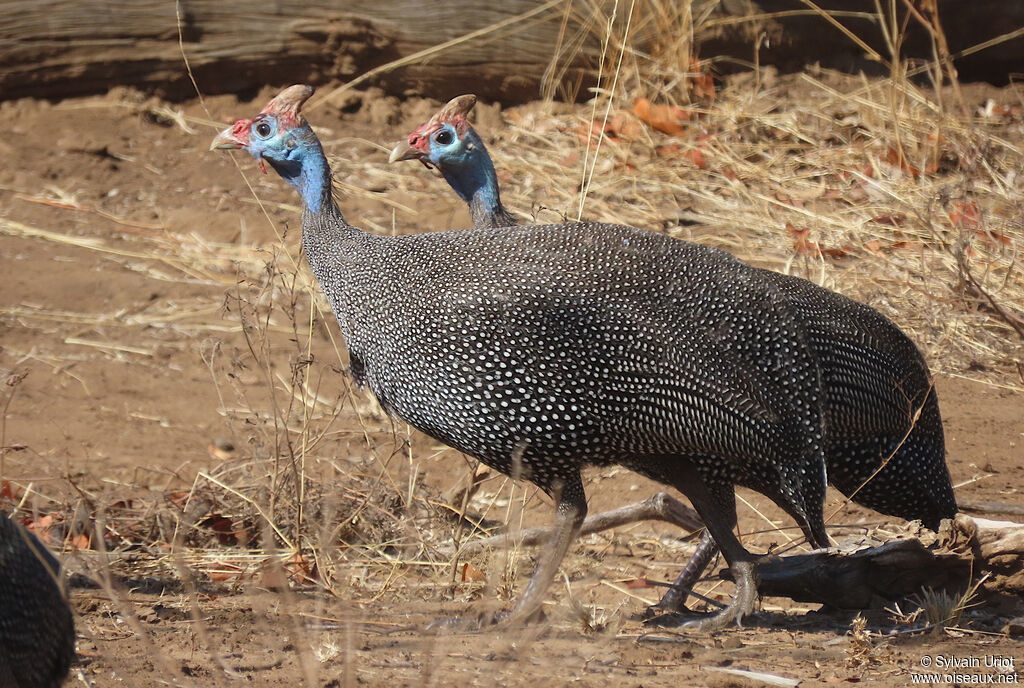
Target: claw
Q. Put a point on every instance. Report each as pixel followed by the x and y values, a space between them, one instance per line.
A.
pixel 742 604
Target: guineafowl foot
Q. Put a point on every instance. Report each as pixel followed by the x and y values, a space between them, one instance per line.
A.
pixel 675 597
pixel 742 604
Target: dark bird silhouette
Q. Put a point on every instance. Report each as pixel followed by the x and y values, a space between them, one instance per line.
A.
pixel 37 632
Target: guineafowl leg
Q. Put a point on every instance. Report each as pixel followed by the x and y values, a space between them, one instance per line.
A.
pixel 716 504
pixel 675 598
pixel 569 515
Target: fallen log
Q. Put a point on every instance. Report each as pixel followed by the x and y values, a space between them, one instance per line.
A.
pixel 866 579
pixel 965 550
pixel 510 51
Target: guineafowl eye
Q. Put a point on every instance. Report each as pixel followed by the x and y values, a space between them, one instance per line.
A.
pixel 443 137
pixel 263 130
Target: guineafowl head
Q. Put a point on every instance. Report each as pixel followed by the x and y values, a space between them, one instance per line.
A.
pixel 281 136
pixel 448 143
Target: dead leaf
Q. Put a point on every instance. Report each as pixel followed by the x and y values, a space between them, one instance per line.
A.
pixel 223 527
pixel 965 215
pixel 41 527
pixel 472 573
pixel 8 491
pixel 702 84
pixel 801 244
pixel 668 119
pixel 179 498
pixel 894 220
pixel 221 571
pixel 300 569
pixel 898 159
pixel 806 247
pixel 625 126
pixel 638 583
pixel 696 156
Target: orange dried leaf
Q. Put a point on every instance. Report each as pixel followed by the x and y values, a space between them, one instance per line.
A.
pixel 696 156
pixel 223 571
pixel 841 252
pixel 895 220
pixel 80 541
pixel 224 528
pixel 638 583
pixel 625 127
pixel 668 119
pixel 472 573
pixel 300 570
pixel 179 498
pixel 805 247
pixel 40 527
pixel 8 491
pixel 993 238
pixel 897 159
pixel 591 134
pixel 702 85
pixel 905 245
pixel 965 215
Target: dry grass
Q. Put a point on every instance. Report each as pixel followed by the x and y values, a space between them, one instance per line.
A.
pixel 874 188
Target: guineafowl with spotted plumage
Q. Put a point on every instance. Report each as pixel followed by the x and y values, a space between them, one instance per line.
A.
pixel 884 444
pixel 543 349
pixel 37 631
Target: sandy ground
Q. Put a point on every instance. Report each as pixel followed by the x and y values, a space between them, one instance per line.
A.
pixel 129 252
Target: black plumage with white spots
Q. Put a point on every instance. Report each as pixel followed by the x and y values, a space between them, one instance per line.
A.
pixel 540 350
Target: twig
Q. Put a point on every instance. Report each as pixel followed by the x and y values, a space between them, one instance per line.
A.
pixel 659 507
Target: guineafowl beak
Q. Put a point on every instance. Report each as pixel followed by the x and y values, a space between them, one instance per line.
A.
pixel 403 151
pixel 228 139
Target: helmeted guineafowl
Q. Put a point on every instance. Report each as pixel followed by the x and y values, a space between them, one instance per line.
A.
pixel 37 632
pixel 450 144
pixel 542 349
pixel 883 435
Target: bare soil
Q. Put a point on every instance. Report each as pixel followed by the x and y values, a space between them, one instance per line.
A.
pixel 131 255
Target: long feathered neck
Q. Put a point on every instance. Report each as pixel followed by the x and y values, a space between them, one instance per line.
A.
pixel 473 178
pixel 344 259
pixel 339 254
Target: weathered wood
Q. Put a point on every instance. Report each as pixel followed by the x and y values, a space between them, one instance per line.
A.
pixel 865 579
pixel 790 34
pixel 968 548
pixel 997 548
pixel 51 48
pixel 57 48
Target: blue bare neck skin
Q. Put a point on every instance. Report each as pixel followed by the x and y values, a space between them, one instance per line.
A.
pixel 473 178
pixel 307 170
